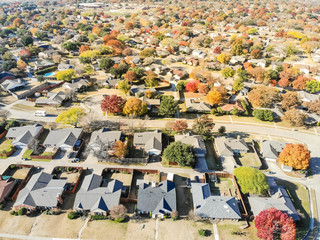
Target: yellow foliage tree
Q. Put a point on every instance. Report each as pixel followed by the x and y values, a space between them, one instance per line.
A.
pixel 214 97
pixel 135 107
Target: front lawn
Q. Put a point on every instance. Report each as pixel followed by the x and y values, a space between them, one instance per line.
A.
pixel 27 154
pixel 6 146
pixel 49 154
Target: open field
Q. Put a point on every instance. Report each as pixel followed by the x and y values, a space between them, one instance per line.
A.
pixel 15 224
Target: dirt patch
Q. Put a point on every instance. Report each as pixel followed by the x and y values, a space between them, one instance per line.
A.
pixel 181 230
pixel 15 224
pixel 57 226
pixel 71 177
pixel 105 229
pixel 21 173
pixel 125 178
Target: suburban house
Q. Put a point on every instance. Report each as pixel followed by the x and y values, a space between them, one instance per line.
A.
pixel 307 97
pixel 193 105
pixel 227 146
pixel 97 196
pixel 53 98
pixel 41 192
pixel 230 106
pixel 25 136
pixel 279 199
pixel 13 85
pixel 42 64
pixel 6 75
pixel 65 139
pixel 271 149
pixel 77 86
pixel 103 138
pixel 151 103
pixel 208 206
pixel 157 200
pixel 6 185
pixel 151 142
pixel 64 66
pixel 195 140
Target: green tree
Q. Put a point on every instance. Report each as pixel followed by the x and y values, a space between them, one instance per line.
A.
pixel 238 85
pixel 180 153
pixel 71 116
pixel 181 85
pixel 251 180
pixel 148 52
pixel 124 86
pixel 203 125
pixel 313 86
pixel 168 106
pixel 71 46
pixel 26 40
pixel 106 64
pixel 65 75
pixel 227 72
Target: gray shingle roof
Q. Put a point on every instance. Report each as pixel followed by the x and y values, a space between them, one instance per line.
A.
pixel 151 140
pixel 66 136
pixel 214 207
pixel 95 198
pixel 160 199
pixel 279 199
pixel 195 140
pixel 24 134
pixel 41 191
pixel 104 136
pixel 271 149
pixel 227 146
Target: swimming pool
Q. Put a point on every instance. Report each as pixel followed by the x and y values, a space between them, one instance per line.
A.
pixel 48 74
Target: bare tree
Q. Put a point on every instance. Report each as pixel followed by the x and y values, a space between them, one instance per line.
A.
pixel 118 212
pixel 193 216
pixel 4 114
pixel 174 214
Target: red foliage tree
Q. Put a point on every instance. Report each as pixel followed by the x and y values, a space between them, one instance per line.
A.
pixel 24 53
pixel 130 76
pixel 284 82
pixel 112 104
pixel 274 224
pixel 192 86
pixel 217 50
pixel 300 83
pixel 84 48
pixel 180 125
pixel 116 45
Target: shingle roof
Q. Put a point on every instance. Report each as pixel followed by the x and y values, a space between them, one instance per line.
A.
pixel 195 140
pixel 271 149
pixel 41 191
pixel 95 198
pixel 67 136
pixel 160 199
pixel 151 140
pixel 215 207
pixel 24 134
pixel 6 187
pixel 226 146
pixel 104 136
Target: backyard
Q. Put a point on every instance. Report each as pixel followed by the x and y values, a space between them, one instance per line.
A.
pixel 221 186
pixel 184 198
pixel 6 146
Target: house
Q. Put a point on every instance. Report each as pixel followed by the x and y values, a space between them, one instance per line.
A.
pixel 227 146
pixel 208 206
pixel 25 136
pixel 97 196
pixel 6 185
pixel 65 138
pixel 13 84
pixel 6 75
pixel 196 141
pixel 41 192
pixel 235 60
pixel 53 98
pixel 199 53
pixel 151 142
pixel 178 74
pixel 279 199
pixel 151 102
pixel 230 106
pixel 42 64
pixel 194 105
pixel 157 200
pixel 65 66
pixel 47 54
pixel 77 86
pixel 271 149
pixel 103 138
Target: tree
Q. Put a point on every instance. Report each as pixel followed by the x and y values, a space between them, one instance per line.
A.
pixel 148 52
pixel 84 48
pixel 256 53
pixel 179 126
pixel 263 96
pixel 71 116
pixel 227 72
pixel 168 106
pixel 258 73
pixel 7 65
pixel 118 213
pixel 192 86
pixel 21 65
pixel 274 224
pixel 296 156
pixel 203 125
pixel 313 86
pixel 222 130
pixel 106 64
pixel 112 104
pixel 24 54
pixel 181 85
pixel 294 117
pixel 214 97
pixel 120 149
pixel 66 75
pixel 151 79
pixel 224 58
pixel 130 76
pixel 251 180
pixel 237 47
pixel 238 85
pixel 263 114
pixel 284 82
pixel 88 56
pixel 290 100
pixel 203 89
pixel 26 40
pixel 313 106
pixel 7 56
pixel 116 45
pixel 300 83
pixel 180 153
pixel 135 107
pixel 124 86
pixel 70 46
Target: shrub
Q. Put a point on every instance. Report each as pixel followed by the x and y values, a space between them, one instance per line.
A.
pixel 22 211
pixel 202 232
pixel 73 215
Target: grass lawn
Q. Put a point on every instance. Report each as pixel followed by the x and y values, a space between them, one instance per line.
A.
pixel 213 161
pixel 250 120
pixel 41 160
pixel 300 199
pixel 27 153
pixel 47 154
pixel 6 146
pixel 249 160
pixel 232 230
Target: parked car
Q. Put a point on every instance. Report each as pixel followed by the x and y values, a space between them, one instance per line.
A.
pixel 39 113
pixel 188 182
pixel 71 155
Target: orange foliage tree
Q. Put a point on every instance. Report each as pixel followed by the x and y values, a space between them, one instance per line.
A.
pixel 296 156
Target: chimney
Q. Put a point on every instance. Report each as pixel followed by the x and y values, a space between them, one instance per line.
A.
pixel 59 198
pixel 238 137
pixel 153 184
